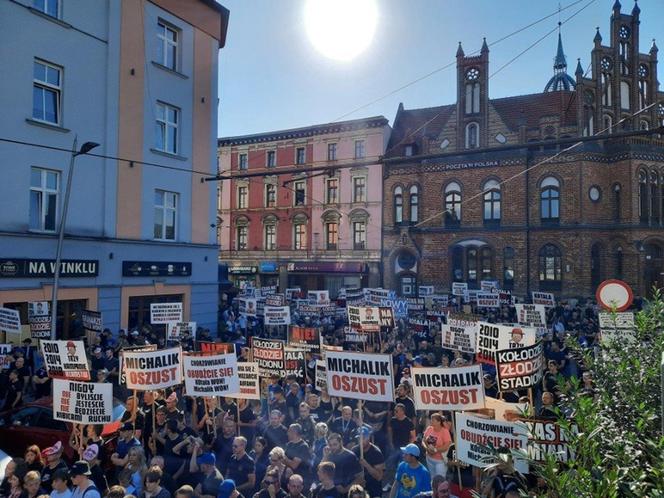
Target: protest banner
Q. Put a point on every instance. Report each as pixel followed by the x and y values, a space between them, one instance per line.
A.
pixel 364 318
pixel 425 290
pixel 546 437
pixel 91 320
pixel 38 308
pixel 319 297
pixel 247 306
pixel 310 310
pixel 415 304
pixel 175 330
pixel 448 388
pixel 355 297
pixel 40 326
pixel 65 359
pixel 477 438
pixel 165 312
pixel 277 315
pixel 488 300
pixel 492 337
pixel 360 376
pixel 150 370
pixel 545 298
pixel 292 293
pixel 386 317
pixel 211 374
pixel 436 302
pixel 356 336
pixel 519 368
pixel 147 347
pixel 459 288
pixel 460 335
pixel 489 286
pixel 266 290
pixel 214 347
pixel 10 320
pixel 533 315
pixel 6 358
pixel 502 410
pixel 269 354
pixel 505 297
pixel 247 373
pixel 305 338
pixel 321 375
pixel 82 402
pixel 618 327
pixel 294 363
pixel 275 300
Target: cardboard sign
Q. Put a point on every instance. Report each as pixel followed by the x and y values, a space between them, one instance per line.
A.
pixel 211 375
pixel 437 303
pixel 277 315
pixel 247 306
pixel 505 297
pixel 492 337
pixel 147 347
pixel 265 291
pixel 6 358
pixel 38 308
pixel 10 320
pixel 490 286
pixel 545 298
pixel 519 368
pixel 355 336
pixel 65 360
pixel 40 326
pixel 82 402
pixel 360 376
pixel 618 327
pixel 533 315
pixel 175 330
pixel 275 300
pixel 247 373
pixel 459 288
pixel 305 338
pixel 503 410
pixel 294 363
pixel 269 354
pixel 292 292
pixel 448 388
pixel 364 318
pixel 91 320
pixel 319 297
pixel 165 312
pixel 475 435
pixel 150 370
pixel 386 317
pixel 321 375
pixel 488 300
pixel 425 290
pixel 460 335
pixel 415 304
pixel 546 437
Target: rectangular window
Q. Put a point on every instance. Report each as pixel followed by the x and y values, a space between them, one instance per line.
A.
pixel 242 193
pixel 332 194
pixel 408 150
pixel 331 152
pixel 165 214
pixel 359 235
pixel 48 7
pixel 359 189
pixel 167 128
pixel 300 193
pixel 271 158
pixel 242 161
pixel 167 45
pixel 300 242
pixel 300 155
pixel 44 187
pixel 359 149
pixel 242 234
pixel 270 237
pixel 270 195
pixel 331 235
pixel 46 92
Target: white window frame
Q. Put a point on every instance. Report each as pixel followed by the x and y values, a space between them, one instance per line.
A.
pixel 164 124
pixel 328 200
pixel 297 155
pixel 303 184
pixel 43 8
pixel 242 196
pixel 328 244
pixel 300 239
pixel 270 187
pixel 164 44
pixel 362 146
pixel 166 209
pixel 242 237
pixel 273 226
pixel 44 191
pixel 332 151
pixel 242 161
pixel 268 154
pixel 45 86
pixel 364 190
pixel 359 232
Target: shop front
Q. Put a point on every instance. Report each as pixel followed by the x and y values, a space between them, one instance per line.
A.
pixel 243 276
pixel 268 273
pixel 330 276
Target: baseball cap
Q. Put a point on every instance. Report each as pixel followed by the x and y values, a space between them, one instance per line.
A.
pixel 91 452
pixel 80 468
pixel 226 487
pixel 411 449
pixel 207 459
pixel 278 389
pixel 365 431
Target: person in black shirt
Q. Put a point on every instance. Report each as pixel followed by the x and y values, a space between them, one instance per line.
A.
pixel 54 462
pixel 42 383
pixel 409 405
pixel 293 401
pixel 153 488
pixel 307 422
pixel 345 425
pixel 247 421
pixel 223 445
pixel 97 361
pixel 325 488
pixel 23 372
pixel 275 433
pixel 490 386
pixel 279 403
pixel 401 431
pixel 348 470
pixel 14 390
pixel 203 470
pixel 372 462
pixel 298 454
pixel 241 466
pixel 295 486
pixel 271 486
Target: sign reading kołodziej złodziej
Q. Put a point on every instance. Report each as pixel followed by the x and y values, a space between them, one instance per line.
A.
pixel 247 373
pixel 492 337
pixel 65 360
pixel 39 319
pixel 519 368
pixel 306 338
pixel 359 375
pixel 82 402
pixel 269 354
pixel 150 370
pixel 211 374
pixel 448 388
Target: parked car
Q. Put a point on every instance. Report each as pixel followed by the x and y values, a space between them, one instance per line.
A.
pixel 33 423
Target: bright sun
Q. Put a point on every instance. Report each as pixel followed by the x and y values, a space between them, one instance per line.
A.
pixel 340 29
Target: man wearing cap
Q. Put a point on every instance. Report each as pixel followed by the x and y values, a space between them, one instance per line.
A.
pixel 54 462
pixel 227 489
pixel 373 463
pixel 126 441
pixel 412 477
pixel 80 478
pixel 202 467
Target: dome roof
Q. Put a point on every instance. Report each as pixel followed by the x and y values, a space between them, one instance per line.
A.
pixel 560 81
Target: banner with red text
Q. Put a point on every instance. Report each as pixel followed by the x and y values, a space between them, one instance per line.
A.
pixel 150 370
pixel 210 375
pixel 519 368
pixel 82 402
pixel 247 373
pixel 359 375
pixel 269 354
pixel 448 388
pixel 306 338
pixel 65 359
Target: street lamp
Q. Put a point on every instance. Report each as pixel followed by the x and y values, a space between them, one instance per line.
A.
pixel 85 148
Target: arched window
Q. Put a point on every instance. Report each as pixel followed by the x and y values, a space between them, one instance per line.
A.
pixel 452 215
pixel 616 201
pixel 606 89
pixel 644 125
pixel 491 191
pixel 654 196
pixel 472 98
pixel 550 264
pixel 643 94
pixel 588 113
pixel 414 204
pixel 331 222
pixel 643 197
pixel 624 95
pixel 398 205
pixel 595 265
pixel 550 200
pixel 472 136
pixel 508 268
pixel 608 124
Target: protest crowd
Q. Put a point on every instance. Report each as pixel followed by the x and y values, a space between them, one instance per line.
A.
pixel 300 396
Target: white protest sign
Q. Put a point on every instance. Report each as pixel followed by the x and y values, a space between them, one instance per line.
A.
pixel 503 410
pixel 10 321
pixel 618 327
pixel 165 312
pixel 211 375
pixel 545 298
pixel 448 388
pixel 533 315
pixel 460 335
pixel 91 320
pixel 6 358
pixel 488 300
pixel 82 402
pixel 277 315
pixel 360 376
pixel 247 373
pixel 459 288
pixel 321 375
pixel 367 317
pixel 490 286
pixel 150 370
pixel 65 359
pixel 247 306
pixel 491 337
pixel 319 297
pixel 425 290
pixel 175 330
pixel 475 435
pixel 519 368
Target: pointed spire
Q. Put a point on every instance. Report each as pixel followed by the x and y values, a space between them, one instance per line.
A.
pixel 560 62
pixel 460 52
pixel 598 37
pixel 636 10
pixel 653 48
pixel 485 47
pixel 616 7
pixel 579 68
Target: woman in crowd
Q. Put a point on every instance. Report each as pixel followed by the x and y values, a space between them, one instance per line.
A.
pixel 436 441
pixel 33 458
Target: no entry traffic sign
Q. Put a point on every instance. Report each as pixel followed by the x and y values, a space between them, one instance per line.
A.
pixel 614 294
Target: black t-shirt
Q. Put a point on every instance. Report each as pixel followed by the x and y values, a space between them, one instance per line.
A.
pixel 374 457
pixel 275 436
pixel 47 475
pixel 172 460
pixel 239 469
pixel 210 484
pixel 346 428
pixel 401 430
pixel 14 390
pixel 300 450
pixel 408 403
pixel 346 466
pixel 246 417
pixel 223 449
pixel 319 492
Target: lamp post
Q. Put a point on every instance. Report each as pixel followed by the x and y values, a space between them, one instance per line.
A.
pixel 85 148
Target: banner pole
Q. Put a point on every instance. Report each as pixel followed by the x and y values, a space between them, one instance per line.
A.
pixel 361 406
pixel 135 407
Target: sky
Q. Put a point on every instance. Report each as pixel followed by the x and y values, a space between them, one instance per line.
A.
pixel 271 77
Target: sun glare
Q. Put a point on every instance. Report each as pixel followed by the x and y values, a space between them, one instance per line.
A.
pixel 340 29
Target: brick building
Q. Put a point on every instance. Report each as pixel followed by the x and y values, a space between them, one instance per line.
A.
pixel 481 189
pixel 315 220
